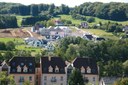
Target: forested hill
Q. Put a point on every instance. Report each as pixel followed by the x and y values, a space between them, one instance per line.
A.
pixel 113 11
pixel 33 9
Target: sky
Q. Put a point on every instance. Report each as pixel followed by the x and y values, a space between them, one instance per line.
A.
pixel 70 3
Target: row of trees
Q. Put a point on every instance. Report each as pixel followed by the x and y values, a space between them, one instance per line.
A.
pixel 112 11
pixel 8 22
pixel 109 27
pixel 33 9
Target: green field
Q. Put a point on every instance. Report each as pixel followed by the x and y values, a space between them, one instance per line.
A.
pixel 97 20
pixel 15 40
pixel 20 45
pixel 19 19
pixel 101 33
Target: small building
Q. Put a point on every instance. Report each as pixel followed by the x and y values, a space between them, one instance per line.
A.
pixel 53 71
pixel 84 25
pixel 29 39
pixel 88 36
pixel 23 69
pixel 36 43
pixel 50 46
pixel 58 23
pixel 125 28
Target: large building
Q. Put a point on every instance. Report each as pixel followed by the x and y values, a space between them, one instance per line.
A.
pixel 50 70
pixel 23 69
pixel 88 68
pixel 53 71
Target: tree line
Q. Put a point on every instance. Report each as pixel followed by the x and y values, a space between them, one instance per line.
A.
pixel 8 21
pixel 33 9
pixel 111 11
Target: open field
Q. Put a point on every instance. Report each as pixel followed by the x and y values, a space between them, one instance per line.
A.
pixel 15 40
pixel 19 19
pixel 97 20
pixel 101 33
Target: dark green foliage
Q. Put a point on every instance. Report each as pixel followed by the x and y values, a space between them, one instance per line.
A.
pixel 2 46
pixel 76 78
pixel 10 45
pixel 79 17
pixel 111 11
pixel 8 21
pixel 33 20
pixel 34 10
pixel 122 81
pixel 90 20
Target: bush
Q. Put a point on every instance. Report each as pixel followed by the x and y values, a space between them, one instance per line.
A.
pixel 90 20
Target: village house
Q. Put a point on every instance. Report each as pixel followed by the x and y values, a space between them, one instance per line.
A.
pixel 88 36
pixel 84 25
pixel 53 71
pixel 36 43
pixel 23 69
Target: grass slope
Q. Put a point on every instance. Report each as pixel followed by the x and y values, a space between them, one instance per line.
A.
pixel 97 20
pixel 19 19
pixel 101 33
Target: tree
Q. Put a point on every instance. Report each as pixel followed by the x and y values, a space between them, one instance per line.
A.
pixel 123 81
pixel 6 79
pixel 10 45
pixel 26 83
pixel 2 46
pixel 125 66
pixel 76 78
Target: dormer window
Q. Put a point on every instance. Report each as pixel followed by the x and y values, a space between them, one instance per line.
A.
pixel 88 69
pixel 25 69
pixel 82 69
pixel 18 68
pixel 56 69
pixel 50 69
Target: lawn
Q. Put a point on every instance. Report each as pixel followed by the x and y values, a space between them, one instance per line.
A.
pixel 68 17
pixel 20 45
pixel 19 19
pixel 97 20
pixel 101 33
pixel 15 40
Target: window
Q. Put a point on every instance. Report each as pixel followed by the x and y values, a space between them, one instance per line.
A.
pixel 45 83
pixel 61 78
pixel 13 70
pixel 82 69
pixel 45 77
pixel 56 69
pixel 25 69
pixel 21 78
pixel 93 78
pixel 18 69
pixel 50 69
pixel 30 78
pixel 88 70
